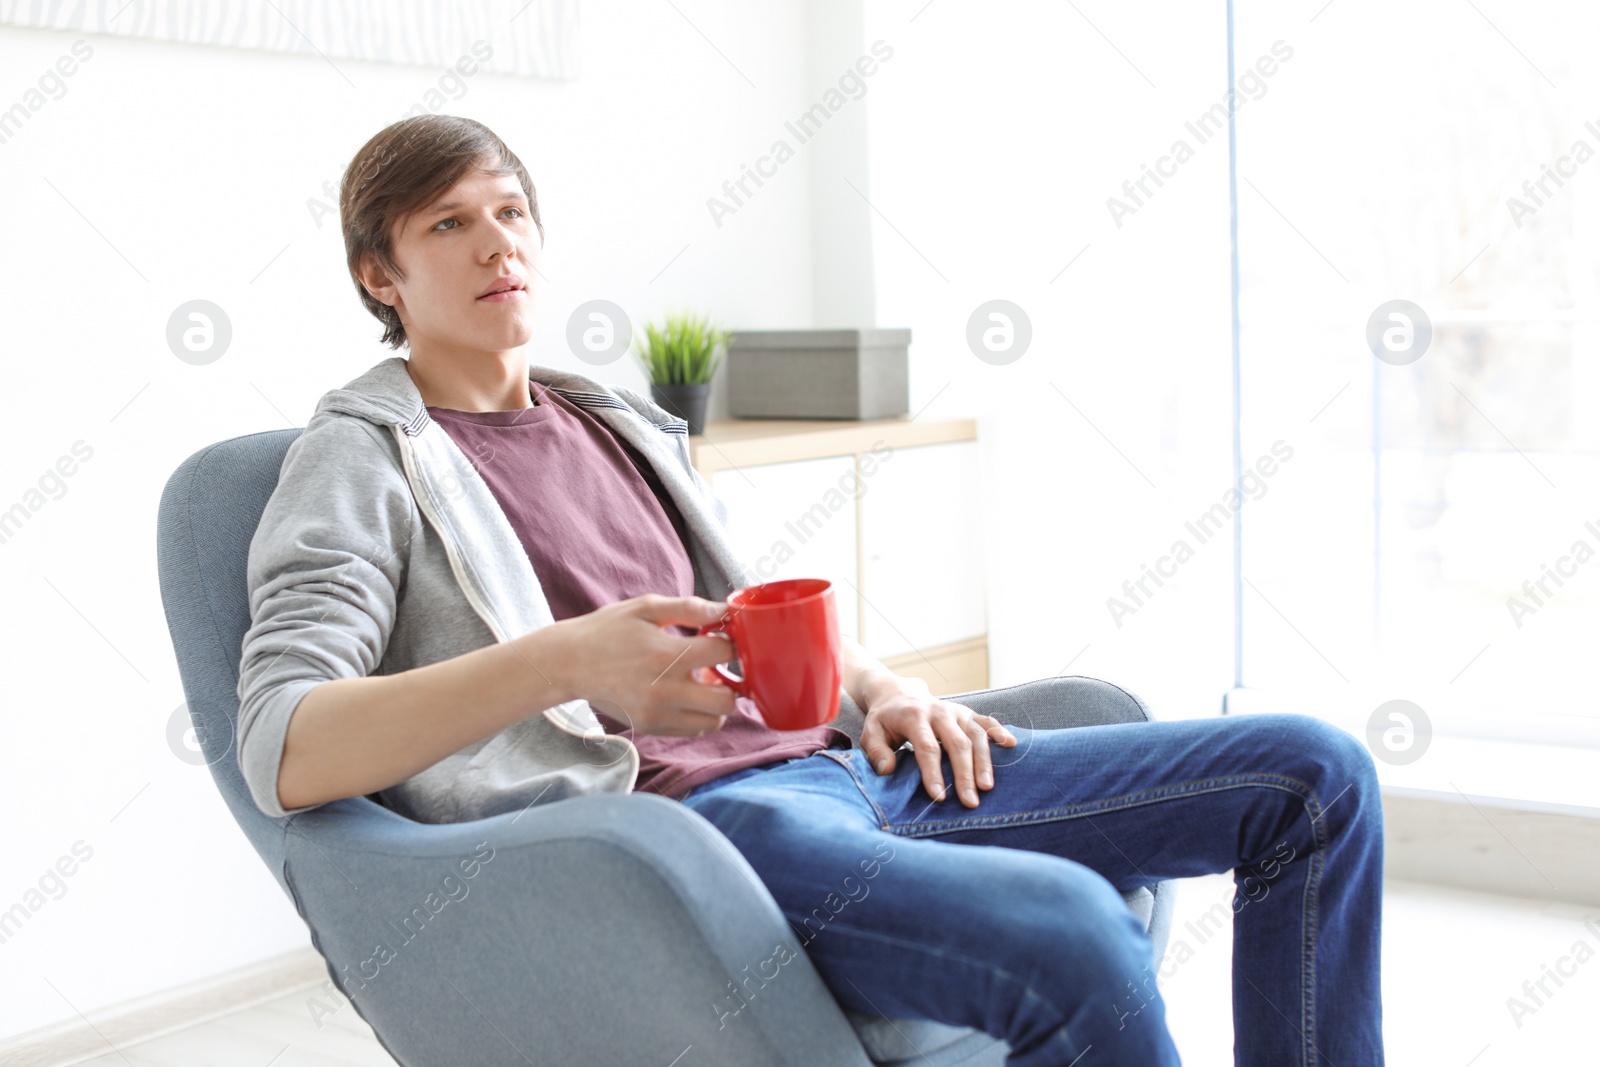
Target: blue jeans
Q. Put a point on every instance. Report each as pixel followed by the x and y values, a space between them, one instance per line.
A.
pixel 1008 917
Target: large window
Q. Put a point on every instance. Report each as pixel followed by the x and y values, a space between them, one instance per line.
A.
pixel 1423 176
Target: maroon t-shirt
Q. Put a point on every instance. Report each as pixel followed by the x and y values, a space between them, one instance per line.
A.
pixel 598 527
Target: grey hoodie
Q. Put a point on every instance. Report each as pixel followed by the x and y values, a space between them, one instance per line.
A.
pixel 382 549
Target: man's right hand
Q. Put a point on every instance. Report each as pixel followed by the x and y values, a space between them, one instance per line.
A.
pixel 624 661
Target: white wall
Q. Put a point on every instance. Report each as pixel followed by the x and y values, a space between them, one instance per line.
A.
pixel 986 146
pixel 168 173
pixel 997 134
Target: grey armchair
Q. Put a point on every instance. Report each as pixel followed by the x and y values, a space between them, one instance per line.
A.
pixel 600 930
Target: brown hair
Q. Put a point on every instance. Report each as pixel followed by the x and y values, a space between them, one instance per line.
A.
pixel 401 170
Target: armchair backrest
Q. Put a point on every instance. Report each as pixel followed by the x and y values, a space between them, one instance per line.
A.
pixel 209 512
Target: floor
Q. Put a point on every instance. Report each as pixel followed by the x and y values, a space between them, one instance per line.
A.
pixel 306 1028
pixel 1454 962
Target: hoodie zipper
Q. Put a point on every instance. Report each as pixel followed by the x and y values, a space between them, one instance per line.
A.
pixel 425 502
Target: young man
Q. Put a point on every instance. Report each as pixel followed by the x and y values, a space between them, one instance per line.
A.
pixel 476 587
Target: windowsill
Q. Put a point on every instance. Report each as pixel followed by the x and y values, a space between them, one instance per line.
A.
pixel 1559 778
pixel 1519 773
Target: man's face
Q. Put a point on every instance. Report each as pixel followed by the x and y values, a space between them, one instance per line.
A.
pixel 451 252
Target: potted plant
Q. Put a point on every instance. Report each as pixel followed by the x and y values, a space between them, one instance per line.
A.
pixel 680 356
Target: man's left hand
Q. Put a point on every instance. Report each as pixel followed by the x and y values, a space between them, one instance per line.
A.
pixel 929 723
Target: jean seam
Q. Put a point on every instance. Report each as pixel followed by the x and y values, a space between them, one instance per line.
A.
pixel 844 761
pixel 943 954
pixel 1309 1053
pixel 1198 787
pixel 1310 897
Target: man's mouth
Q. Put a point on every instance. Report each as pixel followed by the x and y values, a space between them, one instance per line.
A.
pixel 502 296
pixel 503 289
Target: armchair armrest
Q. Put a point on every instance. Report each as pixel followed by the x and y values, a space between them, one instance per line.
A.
pixel 1054 703
pixel 1058 703
pixel 599 929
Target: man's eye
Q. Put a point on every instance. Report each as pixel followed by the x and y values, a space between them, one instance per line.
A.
pixel 441 222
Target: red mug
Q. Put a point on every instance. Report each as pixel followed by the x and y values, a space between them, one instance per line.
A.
pixel 786 636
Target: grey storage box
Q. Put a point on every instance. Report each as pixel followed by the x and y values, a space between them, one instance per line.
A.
pixel 818 374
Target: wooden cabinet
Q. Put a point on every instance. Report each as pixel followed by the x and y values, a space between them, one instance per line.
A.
pixel 886 509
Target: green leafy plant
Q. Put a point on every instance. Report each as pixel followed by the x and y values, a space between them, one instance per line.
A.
pixel 685 348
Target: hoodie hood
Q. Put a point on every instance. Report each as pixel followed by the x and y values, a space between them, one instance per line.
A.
pixel 385 394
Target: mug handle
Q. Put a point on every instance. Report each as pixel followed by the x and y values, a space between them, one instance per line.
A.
pixel 732 681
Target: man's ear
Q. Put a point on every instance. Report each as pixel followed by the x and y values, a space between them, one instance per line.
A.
pixel 376 280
